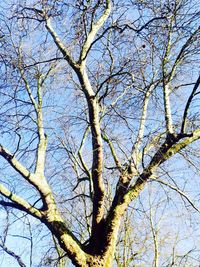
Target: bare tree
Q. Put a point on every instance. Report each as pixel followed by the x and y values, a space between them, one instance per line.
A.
pixel 98 98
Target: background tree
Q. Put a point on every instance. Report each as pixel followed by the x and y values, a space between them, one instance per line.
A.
pixel 100 128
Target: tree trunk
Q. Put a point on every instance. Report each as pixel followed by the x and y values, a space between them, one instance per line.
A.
pixel 100 261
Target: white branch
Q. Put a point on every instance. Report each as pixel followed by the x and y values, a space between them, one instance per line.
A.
pixel 59 43
pixel 18 202
pixel 94 29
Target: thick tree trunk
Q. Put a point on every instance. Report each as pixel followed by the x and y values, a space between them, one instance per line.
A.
pixel 100 261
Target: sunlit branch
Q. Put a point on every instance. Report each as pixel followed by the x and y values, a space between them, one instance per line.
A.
pixel 93 106
pixel 166 89
pixel 40 184
pixel 135 151
pixel 18 203
pixel 95 27
pixel 14 162
pixel 28 89
pixel 59 43
pixel 45 18
pixel 97 163
pixel 168 77
pixel 166 151
pixel 113 152
pixel 42 144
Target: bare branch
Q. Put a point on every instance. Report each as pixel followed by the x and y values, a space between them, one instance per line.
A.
pixel 145 26
pixel 42 144
pixel 18 203
pixel 112 149
pixel 59 43
pixel 12 254
pixel 14 163
pixel 166 90
pixel 94 29
pixel 178 191
pixel 135 150
pixel 187 106
pixel 182 52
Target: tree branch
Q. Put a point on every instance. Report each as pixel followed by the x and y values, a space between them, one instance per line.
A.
pixel 42 144
pixel 166 90
pixel 178 191
pixel 113 152
pixel 120 203
pixel 94 29
pixel 18 203
pixel 59 43
pixel 11 159
pixel 180 56
pixel 188 104
pixel 85 167
pixel 135 150
pixel 12 254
